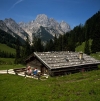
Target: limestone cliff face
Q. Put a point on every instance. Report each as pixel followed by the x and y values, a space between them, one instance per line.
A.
pixel 14 27
pixel 42 27
pixel 50 25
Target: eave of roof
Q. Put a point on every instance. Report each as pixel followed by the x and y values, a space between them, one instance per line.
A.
pixel 28 58
pixel 42 60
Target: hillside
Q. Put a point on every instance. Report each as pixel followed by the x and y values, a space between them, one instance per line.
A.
pixel 82 46
pixel 5 48
pixel 6 51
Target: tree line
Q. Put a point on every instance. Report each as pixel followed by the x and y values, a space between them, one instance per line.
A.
pixel 5 54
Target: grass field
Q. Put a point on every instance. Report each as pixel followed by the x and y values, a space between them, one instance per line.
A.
pixel 4 47
pixel 8 63
pixel 96 55
pixel 5 67
pixel 73 87
pixel 81 47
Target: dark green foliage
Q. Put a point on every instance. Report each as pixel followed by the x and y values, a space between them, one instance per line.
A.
pixel 49 46
pixel 4 54
pixel 37 44
pixel 8 39
pixel 96 40
pixel 18 50
pixel 80 34
pixel 68 41
pixel 87 48
pixel 94 31
pixel 56 43
pixel 26 50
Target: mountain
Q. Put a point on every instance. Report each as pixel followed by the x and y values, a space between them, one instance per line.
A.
pixel 50 26
pixel 9 26
pixel 43 34
pixel 42 27
pixel 5 28
pixel 14 27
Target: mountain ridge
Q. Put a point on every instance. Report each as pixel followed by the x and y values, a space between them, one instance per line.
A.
pixel 51 26
pixel 33 28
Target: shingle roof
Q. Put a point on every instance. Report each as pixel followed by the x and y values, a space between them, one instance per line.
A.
pixel 64 59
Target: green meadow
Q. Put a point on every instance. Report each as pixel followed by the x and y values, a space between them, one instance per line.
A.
pixel 5 48
pixel 81 47
pixel 74 87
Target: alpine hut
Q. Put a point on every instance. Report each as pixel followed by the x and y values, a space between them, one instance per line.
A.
pixel 60 63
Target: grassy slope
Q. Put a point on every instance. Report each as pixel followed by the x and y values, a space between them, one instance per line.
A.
pixel 5 67
pixel 81 47
pixel 4 47
pixel 7 61
pixel 96 55
pixel 74 87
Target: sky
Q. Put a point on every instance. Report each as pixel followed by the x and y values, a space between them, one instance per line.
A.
pixel 73 12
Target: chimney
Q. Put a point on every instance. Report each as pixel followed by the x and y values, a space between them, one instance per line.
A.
pixel 81 55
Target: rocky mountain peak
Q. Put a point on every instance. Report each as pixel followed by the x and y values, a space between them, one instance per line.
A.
pixel 14 27
pixel 64 26
pixel 3 26
pixel 11 23
pixel 41 16
pixel 42 26
pixel 42 20
pixel 50 26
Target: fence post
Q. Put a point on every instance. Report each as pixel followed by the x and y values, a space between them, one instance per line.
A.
pixel 7 71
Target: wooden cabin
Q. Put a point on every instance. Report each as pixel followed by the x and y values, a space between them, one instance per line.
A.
pixel 60 63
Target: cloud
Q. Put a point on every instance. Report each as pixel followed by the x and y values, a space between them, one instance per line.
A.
pixel 19 1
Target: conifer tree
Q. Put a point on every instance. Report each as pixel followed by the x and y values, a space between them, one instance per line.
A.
pixel 55 43
pixel 26 48
pixel 87 47
pixel 17 57
pixel 96 40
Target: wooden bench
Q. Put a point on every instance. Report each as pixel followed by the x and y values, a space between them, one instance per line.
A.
pixel 18 70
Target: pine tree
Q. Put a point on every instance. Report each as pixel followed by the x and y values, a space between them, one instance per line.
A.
pixel 39 45
pixel 56 45
pixel 87 47
pixel 26 49
pixel 17 58
pixel 96 40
